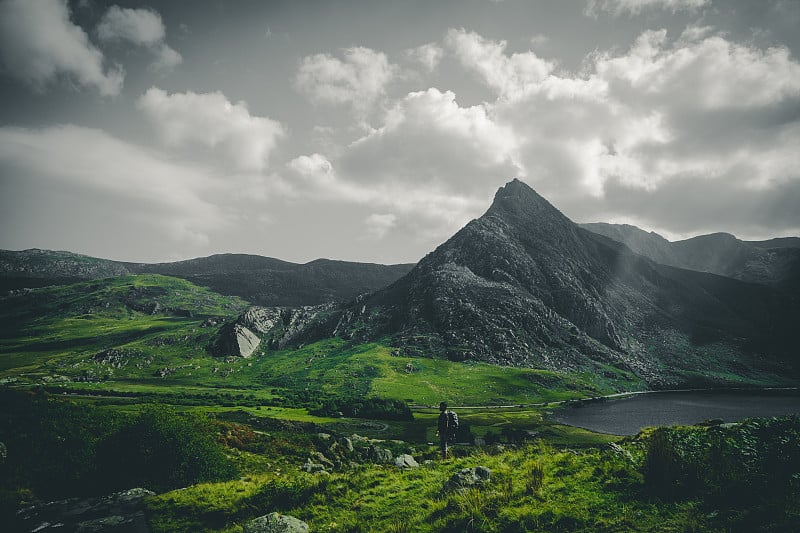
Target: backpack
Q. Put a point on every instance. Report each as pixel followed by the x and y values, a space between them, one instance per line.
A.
pixel 452 421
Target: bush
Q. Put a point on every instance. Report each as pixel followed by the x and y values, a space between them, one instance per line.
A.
pixel 735 465
pixel 373 408
pixel 162 450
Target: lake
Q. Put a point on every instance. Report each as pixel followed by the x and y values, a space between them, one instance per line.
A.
pixel 627 415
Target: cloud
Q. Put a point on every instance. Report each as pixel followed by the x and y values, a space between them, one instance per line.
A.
pixel 699 108
pixel 378 225
pixel 511 76
pixel 433 164
pixel 635 7
pixel 428 138
pixel 706 71
pixel 142 27
pixel 109 191
pixel 359 79
pixel 40 44
pixel 428 55
pixel 210 120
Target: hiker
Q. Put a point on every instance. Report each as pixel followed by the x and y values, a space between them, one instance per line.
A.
pixel 446 427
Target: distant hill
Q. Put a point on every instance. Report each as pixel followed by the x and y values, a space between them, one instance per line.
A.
pixel 773 262
pixel 525 286
pixel 261 280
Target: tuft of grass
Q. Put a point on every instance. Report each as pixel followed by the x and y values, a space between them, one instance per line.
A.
pixel 534 478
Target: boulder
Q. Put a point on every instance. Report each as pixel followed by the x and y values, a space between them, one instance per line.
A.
pixel 468 478
pixel 347 444
pixel 381 456
pixel 275 523
pixel 236 340
pixel 405 461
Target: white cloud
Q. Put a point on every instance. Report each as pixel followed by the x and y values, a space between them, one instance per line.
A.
pixel 428 55
pixel 432 164
pixel 511 76
pixel 138 26
pixel 39 44
pixel 635 7
pixel 166 58
pixel 428 138
pixel 106 189
pixel 142 27
pixel 378 225
pixel 704 70
pixel 210 120
pixel 697 108
pixel 359 79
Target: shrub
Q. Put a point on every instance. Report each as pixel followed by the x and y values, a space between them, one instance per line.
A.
pixel 161 449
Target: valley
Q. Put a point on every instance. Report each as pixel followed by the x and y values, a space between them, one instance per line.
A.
pixel 322 406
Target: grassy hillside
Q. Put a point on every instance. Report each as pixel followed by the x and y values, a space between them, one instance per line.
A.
pixel 86 330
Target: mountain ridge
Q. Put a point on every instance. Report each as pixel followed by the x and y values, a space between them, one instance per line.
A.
pixel 262 280
pixel 774 262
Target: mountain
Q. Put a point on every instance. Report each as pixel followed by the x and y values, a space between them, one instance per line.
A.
pixel 261 280
pixel 773 262
pixel 525 286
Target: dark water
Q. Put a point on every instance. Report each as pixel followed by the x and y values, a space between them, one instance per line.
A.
pixel 626 416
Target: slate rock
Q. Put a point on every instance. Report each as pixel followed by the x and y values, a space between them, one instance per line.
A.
pixel 275 523
pixel 405 461
pixel 468 478
pixel 381 456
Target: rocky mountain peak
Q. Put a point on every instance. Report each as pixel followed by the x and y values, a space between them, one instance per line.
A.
pixel 517 202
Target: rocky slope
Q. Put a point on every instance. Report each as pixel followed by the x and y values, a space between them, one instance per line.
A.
pixel 773 262
pixel 523 285
pixel 261 280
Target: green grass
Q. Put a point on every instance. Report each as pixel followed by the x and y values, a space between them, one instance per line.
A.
pixel 591 490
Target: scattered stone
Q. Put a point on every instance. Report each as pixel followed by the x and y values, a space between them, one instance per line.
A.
pixel 312 467
pixel 275 523
pixel 468 478
pixel 324 436
pixel 108 523
pixel 405 461
pixel 317 457
pixel 3 452
pixel 479 441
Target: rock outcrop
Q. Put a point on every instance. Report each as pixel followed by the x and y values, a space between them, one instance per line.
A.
pixel 236 340
pixel 277 327
pixel 121 512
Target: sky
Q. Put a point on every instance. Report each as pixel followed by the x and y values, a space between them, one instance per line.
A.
pixel 373 130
